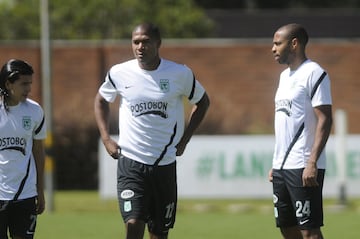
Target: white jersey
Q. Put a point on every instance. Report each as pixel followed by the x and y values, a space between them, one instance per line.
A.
pixel 18 127
pixel 151 114
pixel 295 121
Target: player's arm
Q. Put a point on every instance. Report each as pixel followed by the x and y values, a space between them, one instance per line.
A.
pixel 323 129
pixel 196 116
pixel 102 114
pixel 38 151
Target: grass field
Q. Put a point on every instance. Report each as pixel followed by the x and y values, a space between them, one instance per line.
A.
pixel 82 214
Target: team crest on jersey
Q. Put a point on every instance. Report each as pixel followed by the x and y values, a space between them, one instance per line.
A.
pixel 26 122
pixel 164 85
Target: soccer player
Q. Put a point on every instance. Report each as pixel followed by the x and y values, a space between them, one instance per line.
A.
pixel 303 119
pixel 22 131
pixel 152 131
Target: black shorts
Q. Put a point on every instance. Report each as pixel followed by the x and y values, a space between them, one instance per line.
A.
pixel 148 193
pixel 18 217
pixel 295 205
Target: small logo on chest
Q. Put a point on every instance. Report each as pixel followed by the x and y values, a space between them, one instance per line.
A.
pixel 164 85
pixel 26 121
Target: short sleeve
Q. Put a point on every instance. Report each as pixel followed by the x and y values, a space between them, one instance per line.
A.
pixel 40 125
pixel 108 89
pixel 321 94
pixel 194 89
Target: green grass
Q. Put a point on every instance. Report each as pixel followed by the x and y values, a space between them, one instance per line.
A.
pixel 82 214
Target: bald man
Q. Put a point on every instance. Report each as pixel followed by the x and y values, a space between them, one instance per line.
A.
pixel 303 120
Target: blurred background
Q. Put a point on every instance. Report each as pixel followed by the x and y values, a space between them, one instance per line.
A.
pixel 226 43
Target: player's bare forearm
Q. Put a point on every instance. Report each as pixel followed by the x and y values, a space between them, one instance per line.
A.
pixel 324 117
pixel 323 129
pixel 196 116
pixel 39 156
pixel 102 112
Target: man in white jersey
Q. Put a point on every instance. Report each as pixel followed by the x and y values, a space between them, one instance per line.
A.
pixel 303 119
pixel 22 131
pixel 152 131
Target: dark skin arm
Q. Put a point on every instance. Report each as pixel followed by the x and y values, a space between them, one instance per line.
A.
pixel 323 128
pixel 196 116
pixel 102 114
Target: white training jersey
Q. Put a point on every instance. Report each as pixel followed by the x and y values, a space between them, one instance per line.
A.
pixel 19 126
pixel 295 121
pixel 151 114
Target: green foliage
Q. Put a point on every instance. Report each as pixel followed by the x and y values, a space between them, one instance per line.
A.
pixel 114 19
pixel 102 19
pixel 19 20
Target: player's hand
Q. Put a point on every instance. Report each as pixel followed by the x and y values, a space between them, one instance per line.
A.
pixel 112 148
pixel 270 177
pixel 309 176
pixel 40 203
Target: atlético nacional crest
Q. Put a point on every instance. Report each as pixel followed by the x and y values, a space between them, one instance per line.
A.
pixel 164 85
pixel 26 121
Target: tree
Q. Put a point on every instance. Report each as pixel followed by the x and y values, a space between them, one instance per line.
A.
pixel 102 19
pixel 19 20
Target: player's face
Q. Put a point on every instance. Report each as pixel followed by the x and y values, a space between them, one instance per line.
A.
pixel 281 48
pixel 19 90
pixel 145 49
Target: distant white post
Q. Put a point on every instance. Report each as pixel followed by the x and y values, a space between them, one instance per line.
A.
pixel 340 149
pixel 47 101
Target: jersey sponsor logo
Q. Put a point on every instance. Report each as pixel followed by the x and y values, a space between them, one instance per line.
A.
pixel 152 107
pixel 26 122
pixel 164 85
pixel 283 106
pixel 126 194
pixel 13 143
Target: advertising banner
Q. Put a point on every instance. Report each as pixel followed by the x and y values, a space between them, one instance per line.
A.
pixel 237 167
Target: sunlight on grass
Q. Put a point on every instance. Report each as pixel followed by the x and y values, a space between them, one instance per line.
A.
pixel 82 214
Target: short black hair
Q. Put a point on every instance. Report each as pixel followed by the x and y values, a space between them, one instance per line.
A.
pixel 150 28
pixel 297 31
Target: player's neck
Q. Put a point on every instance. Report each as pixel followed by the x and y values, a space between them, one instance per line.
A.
pixel 150 66
pixel 297 62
